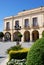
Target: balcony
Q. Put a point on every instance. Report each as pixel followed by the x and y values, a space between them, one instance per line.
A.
pixel 26 27
pixel 17 27
pixel 35 27
pixel 7 29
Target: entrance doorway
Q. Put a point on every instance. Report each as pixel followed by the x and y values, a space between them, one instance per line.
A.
pixel 35 35
pixel 7 36
pixel 26 36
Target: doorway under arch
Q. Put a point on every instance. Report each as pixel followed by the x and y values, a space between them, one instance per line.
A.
pixel 26 36
pixel 7 36
pixel 35 35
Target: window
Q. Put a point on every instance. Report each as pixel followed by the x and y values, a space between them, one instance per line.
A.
pixel 35 23
pixel 8 25
pixel 17 23
pixel 26 23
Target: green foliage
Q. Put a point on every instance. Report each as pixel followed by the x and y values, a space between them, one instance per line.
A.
pixel 19 35
pixel 36 54
pixel 16 62
pixel 18 38
pixel 18 47
pixel 43 34
pixel 1 34
pixel 20 54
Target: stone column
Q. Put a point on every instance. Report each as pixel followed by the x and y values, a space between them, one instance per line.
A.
pixel 22 39
pixel 30 37
pixel 12 37
pixel 40 35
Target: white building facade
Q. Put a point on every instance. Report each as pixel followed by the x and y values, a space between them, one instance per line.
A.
pixel 29 23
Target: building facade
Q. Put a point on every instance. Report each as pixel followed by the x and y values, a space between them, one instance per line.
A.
pixel 30 23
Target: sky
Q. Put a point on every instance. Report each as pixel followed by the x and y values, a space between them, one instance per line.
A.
pixel 12 7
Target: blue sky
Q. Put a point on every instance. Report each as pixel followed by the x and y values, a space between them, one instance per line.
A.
pixel 12 7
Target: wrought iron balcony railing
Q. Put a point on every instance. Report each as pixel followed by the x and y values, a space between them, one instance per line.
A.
pixel 35 27
pixel 7 29
pixel 17 27
pixel 26 27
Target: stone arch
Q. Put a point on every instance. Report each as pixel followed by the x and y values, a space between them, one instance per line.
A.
pixel 7 36
pixel 15 36
pixel 26 36
pixel 35 35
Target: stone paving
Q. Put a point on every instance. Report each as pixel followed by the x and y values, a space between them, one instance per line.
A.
pixel 5 45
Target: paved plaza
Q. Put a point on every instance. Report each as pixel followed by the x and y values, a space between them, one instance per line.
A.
pixel 5 45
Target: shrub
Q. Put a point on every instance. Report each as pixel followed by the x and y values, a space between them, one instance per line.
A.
pixel 43 34
pixel 1 34
pixel 17 62
pixel 20 54
pixel 19 38
pixel 36 54
pixel 18 47
pixel 19 35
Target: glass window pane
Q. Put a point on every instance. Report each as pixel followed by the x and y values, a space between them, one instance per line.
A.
pixel 35 23
pixel 16 23
pixel 8 25
pixel 26 22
